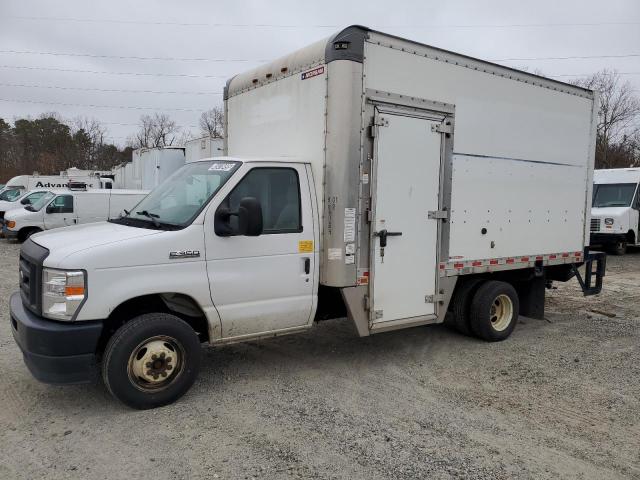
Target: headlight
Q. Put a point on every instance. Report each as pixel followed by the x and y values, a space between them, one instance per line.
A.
pixel 608 221
pixel 62 294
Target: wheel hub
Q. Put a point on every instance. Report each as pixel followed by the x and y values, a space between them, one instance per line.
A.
pixel 155 363
pixel 501 312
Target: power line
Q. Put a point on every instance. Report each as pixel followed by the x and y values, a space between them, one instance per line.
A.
pixel 51 69
pixel 131 57
pixel 187 59
pixel 589 74
pixel 125 107
pixel 564 58
pixel 276 25
pixel 118 90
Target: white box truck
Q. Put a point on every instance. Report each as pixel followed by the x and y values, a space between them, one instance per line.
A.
pixel 204 147
pixel 615 211
pixel 67 207
pixel 369 176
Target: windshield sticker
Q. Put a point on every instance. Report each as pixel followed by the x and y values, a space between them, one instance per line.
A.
pixel 221 167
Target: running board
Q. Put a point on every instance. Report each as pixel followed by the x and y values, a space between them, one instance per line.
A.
pixel 377 327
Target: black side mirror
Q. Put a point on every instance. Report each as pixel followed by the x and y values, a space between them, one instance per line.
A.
pixel 250 217
pixel 51 209
pixel 25 201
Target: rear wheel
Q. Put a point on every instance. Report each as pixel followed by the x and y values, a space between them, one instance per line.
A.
pixel 461 303
pixel 493 313
pixel 151 361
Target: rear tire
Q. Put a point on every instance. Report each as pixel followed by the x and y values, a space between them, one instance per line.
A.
pixel 494 311
pixel 151 361
pixel 461 303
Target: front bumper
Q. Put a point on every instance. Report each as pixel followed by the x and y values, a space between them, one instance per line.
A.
pixel 55 352
pixel 10 234
pixel 607 238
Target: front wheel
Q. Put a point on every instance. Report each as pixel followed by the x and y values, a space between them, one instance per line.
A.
pixel 151 361
pixel 619 248
pixel 494 311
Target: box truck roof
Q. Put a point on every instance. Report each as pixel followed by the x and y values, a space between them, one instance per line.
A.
pixel 348 44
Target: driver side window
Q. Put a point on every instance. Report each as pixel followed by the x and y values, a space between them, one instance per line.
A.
pixel 62 204
pixel 278 191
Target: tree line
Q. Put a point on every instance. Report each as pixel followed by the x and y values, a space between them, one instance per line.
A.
pixel 50 144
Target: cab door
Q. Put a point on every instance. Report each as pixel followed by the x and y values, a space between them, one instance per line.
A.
pixel 266 283
pixel 60 212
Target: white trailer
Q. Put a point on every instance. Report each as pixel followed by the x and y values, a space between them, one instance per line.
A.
pixel 205 147
pixel 149 167
pixel 615 216
pixel 368 176
pixel 25 183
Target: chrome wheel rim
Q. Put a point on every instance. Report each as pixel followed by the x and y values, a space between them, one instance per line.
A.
pixel 501 312
pixel 156 363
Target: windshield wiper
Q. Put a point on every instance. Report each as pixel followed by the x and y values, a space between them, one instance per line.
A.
pixel 152 216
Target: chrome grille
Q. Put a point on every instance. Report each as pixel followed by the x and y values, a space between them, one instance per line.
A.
pixel 595 224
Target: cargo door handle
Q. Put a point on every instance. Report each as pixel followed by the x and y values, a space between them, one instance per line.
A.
pixel 307 265
pixel 384 234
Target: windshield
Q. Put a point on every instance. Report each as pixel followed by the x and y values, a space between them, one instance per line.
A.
pixel 32 198
pixel 38 204
pixel 10 195
pixel 177 201
pixel 613 194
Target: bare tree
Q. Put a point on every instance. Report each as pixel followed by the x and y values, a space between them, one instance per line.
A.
pixel 212 122
pixel 618 117
pixel 157 130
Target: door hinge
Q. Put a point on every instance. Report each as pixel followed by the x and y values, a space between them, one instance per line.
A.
pixel 369 215
pixel 381 122
pixel 438 297
pixel 366 302
pixel 377 314
pixel 441 128
pixel 437 214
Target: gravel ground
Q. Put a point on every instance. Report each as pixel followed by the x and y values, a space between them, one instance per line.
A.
pixel 559 399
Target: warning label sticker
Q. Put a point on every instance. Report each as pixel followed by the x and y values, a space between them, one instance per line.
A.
pixel 305 246
pixel 334 253
pixel 349 224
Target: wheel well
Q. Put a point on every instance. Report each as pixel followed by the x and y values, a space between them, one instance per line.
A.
pixel 176 304
pixel 631 237
pixel 24 231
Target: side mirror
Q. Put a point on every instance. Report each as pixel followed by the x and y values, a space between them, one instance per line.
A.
pixel 25 201
pixel 250 217
pixel 51 209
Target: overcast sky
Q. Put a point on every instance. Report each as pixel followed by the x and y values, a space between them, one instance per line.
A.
pixel 223 38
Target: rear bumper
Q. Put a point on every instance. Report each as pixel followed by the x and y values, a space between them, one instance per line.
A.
pixel 55 352
pixel 607 238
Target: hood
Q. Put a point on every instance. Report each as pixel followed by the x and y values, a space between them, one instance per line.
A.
pixel 609 212
pixel 66 241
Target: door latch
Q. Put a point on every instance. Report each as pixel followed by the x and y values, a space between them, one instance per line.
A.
pixel 384 234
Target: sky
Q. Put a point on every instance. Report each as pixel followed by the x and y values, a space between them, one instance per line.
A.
pixel 117 60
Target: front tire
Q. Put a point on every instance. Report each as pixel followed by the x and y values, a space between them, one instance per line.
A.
pixel 619 248
pixel 151 361
pixel 494 311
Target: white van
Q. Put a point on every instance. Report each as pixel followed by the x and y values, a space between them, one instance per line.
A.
pixel 18 201
pixel 615 209
pixel 63 208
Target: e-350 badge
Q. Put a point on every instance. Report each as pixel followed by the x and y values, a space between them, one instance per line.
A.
pixel 184 254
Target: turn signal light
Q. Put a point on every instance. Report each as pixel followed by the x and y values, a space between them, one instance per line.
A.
pixel 11 224
pixel 71 290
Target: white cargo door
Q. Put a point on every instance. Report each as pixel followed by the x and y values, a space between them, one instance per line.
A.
pixel 406 188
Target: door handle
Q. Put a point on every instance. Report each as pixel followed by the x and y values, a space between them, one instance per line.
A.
pixel 384 234
pixel 307 265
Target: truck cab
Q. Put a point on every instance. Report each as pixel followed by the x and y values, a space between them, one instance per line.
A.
pixel 615 218
pixel 19 201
